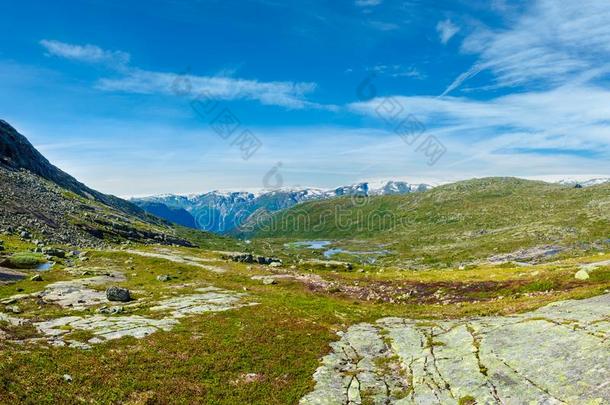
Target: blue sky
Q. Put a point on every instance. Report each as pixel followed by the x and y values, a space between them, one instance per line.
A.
pixel 105 89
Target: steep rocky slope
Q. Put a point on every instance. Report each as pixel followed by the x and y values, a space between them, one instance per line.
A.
pixel 17 153
pixel 38 200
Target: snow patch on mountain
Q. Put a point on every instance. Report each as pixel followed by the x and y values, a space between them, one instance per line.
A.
pixel 222 211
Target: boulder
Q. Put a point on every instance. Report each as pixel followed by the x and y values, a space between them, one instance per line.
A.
pixel 269 281
pixel 54 252
pixel 250 258
pixel 14 309
pixel 118 294
pixel 36 277
pixel 163 277
pixel 581 275
pixel 110 310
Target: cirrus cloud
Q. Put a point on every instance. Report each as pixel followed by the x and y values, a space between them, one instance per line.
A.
pixel 84 53
pixel 139 81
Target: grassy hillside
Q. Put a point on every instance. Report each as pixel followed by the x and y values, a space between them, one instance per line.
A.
pixel 461 221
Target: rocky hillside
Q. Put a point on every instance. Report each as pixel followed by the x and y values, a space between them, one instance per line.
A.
pixel 40 201
pixel 225 212
pixel 17 153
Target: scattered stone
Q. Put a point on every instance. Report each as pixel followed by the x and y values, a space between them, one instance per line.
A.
pixel 248 378
pixel 110 310
pixel 163 277
pixel 269 281
pixel 275 264
pixel 14 309
pixel 11 320
pixel 118 294
pixel 67 378
pixel 250 258
pixel 54 252
pixel 581 275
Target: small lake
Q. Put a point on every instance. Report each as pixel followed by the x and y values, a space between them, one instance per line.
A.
pixel 44 266
pixel 310 244
pixel 330 252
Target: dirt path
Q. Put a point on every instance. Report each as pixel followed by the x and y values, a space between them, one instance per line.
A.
pixel 182 259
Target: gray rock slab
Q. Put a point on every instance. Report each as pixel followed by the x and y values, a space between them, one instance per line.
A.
pixel 558 354
pixel 104 327
pixel 209 299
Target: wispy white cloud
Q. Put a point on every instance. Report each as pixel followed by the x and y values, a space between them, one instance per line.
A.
pixel 552 42
pixel 134 80
pixel 569 118
pixel 368 3
pixel 84 53
pixel 383 25
pixel 446 30
pixel 285 94
pixel 397 71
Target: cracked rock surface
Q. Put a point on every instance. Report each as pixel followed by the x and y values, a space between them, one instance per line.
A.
pixel 558 354
pixel 77 294
pixel 209 299
pixel 103 327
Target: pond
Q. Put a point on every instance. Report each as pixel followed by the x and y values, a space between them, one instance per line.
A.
pixel 310 244
pixel 330 252
pixel 44 266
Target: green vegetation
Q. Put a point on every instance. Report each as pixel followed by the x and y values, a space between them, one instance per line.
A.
pixel 280 340
pixel 207 240
pixel 268 352
pixel 25 260
pixel 451 224
pixel 467 400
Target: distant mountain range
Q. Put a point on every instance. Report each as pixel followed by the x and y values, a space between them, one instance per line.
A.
pixel 584 183
pixel 224 212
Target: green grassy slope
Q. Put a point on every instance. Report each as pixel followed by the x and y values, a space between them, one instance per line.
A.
pixel 461 221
